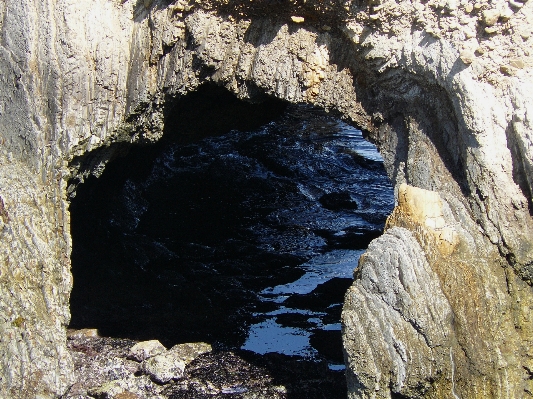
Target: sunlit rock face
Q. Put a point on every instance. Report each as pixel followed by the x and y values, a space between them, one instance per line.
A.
pixel 444 88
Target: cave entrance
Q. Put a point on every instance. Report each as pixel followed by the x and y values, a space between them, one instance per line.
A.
pixel 240 228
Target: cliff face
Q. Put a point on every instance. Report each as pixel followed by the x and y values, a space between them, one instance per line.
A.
pixel 441 305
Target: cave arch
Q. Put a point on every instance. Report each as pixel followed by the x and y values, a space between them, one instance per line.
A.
pixel 413 98
pixel 182 250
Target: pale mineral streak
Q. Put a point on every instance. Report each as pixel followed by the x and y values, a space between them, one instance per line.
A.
pixel 444 88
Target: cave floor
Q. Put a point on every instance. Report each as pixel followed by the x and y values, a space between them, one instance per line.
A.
pixel 104 371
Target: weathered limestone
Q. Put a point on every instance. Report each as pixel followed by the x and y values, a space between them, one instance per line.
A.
pixel 445 89
pixel 397 332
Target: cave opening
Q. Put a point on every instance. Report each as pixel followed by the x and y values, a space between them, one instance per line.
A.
pixel 241 228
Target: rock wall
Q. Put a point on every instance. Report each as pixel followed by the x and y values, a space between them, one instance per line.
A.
pixel 441 305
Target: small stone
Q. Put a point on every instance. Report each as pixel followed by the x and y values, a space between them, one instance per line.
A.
pixel 525 35
pixel 490 30
pixel 164 368
pixel 517 63
pixel 373 17
pixel 467 56
pixel 490 17
pixel 127 395
pixel 468 8
pixel 297 20
pixel 469 33
pixel 480 51
pixel 508 70
pixel 478 6
pixel 83 333
pixel 108 390
pixel 146 349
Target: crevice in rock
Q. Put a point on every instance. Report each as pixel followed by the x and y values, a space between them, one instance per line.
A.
pixel 520 174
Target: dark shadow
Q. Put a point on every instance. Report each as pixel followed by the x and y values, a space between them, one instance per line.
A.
pixel 520 174
pixel 116 288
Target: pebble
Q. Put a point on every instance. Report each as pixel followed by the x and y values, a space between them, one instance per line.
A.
pixel 490 17
pixel 508 70
pixel 297 20
pixel 164 368
pixel 467 56
pixel 83 333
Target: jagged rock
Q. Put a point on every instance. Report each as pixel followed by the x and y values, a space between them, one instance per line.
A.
pixel 189 351
pixel 397 322
pixel 145 350
pixel 164 368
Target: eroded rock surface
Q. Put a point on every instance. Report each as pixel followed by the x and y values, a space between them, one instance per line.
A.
pixel 444 88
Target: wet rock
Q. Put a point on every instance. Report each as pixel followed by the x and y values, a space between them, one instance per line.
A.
pixel 337 201
pixel 295 320
pixel 329 344
pixel 322 296
pixel 219 375
pixel 145 350
pixel 350 237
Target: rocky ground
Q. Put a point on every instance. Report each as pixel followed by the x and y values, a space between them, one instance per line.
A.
pixel 117 368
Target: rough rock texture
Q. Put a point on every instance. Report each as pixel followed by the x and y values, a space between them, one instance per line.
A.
pixel 444 87
pixel 399 320
pixel 104 371
pixel 145 350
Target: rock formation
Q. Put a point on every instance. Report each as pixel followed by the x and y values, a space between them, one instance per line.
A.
pixel 442 302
